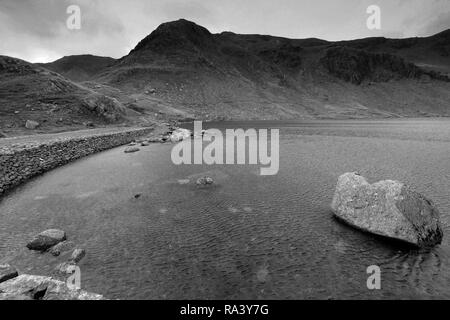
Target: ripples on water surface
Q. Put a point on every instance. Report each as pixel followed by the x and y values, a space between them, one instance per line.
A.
pixel 248 236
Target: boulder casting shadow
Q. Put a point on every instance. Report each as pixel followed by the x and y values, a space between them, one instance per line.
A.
pixel 387 208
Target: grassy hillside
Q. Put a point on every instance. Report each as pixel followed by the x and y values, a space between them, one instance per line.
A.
pixel 30 92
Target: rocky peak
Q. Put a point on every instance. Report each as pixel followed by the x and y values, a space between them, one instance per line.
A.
pixel 179 34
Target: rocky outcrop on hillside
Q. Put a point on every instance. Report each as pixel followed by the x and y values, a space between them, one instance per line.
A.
pixel 104 107
pixel 356 65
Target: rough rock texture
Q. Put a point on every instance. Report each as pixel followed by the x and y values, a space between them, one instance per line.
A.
pixel 77 255
pixel 30 124
pixel 30 287
pixel 46 239
pixel 387 208
pixel 131 149
pixel 66 268
pixel 203 181
pixel 180 134
pixel 61 247
pixel 104 106
pixel 19 164
pixel 356 65
pixel 7 272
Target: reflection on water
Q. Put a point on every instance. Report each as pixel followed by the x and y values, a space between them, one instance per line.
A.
pixel 247 236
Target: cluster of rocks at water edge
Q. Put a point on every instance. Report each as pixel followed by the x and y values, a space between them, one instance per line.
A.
pixel 32 287
pixel 387 208
pixel 172 134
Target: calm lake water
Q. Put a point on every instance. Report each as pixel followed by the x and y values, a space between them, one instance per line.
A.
pixel 248 236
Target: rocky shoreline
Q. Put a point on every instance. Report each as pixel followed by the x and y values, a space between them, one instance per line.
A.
pixel 20 162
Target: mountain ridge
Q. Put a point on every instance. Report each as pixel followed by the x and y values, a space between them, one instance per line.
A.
pixel 183 71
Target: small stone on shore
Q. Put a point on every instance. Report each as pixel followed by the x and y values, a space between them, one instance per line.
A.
pixel 30 124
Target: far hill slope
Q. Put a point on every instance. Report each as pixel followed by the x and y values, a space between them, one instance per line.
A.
pixel 182 66
pixel 79 67
pixel 30 92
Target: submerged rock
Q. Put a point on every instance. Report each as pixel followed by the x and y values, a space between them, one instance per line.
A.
pixel 7 272
pixel 77 255
pixel 61 247
pixel 30 287
pixel 387 208
pixel 46 239
pixel 203 181
pixel 131 149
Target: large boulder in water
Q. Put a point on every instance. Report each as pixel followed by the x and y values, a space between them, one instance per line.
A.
pixel 387 208
pixel 46 239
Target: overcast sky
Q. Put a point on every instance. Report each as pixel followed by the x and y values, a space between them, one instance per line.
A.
pixel 36 31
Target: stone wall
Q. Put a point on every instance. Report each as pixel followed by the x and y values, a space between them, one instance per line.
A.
pixel 19 164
